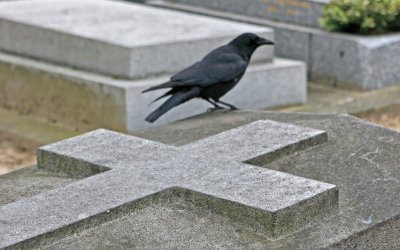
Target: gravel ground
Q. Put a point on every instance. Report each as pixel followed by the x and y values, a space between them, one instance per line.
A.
pixel 388 117
pixel 17 152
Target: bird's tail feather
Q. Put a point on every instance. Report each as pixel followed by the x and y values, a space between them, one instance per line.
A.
pixel 164 95
pixel 175 100
pixel 160 86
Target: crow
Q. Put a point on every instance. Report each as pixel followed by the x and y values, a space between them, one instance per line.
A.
pixel 212 77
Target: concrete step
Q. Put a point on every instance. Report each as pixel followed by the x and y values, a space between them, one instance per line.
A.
pixel 84 100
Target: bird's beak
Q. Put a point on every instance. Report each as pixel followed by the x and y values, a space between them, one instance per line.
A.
pixel 262 41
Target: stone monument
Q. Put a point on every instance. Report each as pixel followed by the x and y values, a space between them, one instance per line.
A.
pixel 334 58
pixel 233 180
pixel 84 63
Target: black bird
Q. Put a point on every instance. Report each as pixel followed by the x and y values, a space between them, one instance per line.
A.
pixel 212 77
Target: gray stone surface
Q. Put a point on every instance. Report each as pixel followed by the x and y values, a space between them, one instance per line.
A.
pixel 295 44
pixel 303 12
pixel 208 173
pixel 116 38
pixel 57 93
pixel 13 186
pixel 362 159
pixel 362 62
pixel 365 61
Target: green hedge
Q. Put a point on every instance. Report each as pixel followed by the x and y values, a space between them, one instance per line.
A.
pixel 361 16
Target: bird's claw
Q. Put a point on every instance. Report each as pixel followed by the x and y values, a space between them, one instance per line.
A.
pixel 213 109
pixel 225 110
pixel 230 109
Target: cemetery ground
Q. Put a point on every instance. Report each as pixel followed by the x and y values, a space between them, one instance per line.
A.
pixel 245 179
pixel 284 179
pixel 388 117
pixel 16 152
pixel 18 146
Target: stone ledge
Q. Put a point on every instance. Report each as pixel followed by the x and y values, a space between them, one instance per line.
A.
pixel 57 93
pixel 244 221
pixel 303 12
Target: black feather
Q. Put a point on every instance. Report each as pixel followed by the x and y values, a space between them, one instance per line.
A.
pixel 175 100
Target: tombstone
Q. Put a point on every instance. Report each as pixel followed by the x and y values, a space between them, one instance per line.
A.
pixel 337 59
pixel 235 180
pixel 209 173
pixel 66 55
pixel 303 12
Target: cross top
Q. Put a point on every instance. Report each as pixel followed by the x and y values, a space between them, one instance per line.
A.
pixel 214 172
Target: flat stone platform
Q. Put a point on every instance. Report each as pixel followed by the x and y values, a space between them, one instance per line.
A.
pixel 302 12
pixel 116 38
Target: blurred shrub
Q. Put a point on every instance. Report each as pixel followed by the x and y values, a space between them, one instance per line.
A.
pixel 361 16
pixel 395 25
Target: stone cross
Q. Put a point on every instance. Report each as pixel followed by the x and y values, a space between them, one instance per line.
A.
pixel 215 172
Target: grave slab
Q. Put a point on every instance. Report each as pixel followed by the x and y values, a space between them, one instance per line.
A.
pixel 337 59
pixel 303 12
pixel 94 52
pixel 57 94
pixel 273 203
pixel 360 158
pixel 13 185
pixel 116 38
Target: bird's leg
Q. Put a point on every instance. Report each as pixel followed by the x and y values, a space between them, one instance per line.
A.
pixel 229 105
pixel 216 106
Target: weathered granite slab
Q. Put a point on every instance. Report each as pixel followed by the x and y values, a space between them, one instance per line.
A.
pixel 87 101
pixel 362 62
pixel 208 173
pixel 116 38
pixel 14 185
pixel 360 158
pixel 303 12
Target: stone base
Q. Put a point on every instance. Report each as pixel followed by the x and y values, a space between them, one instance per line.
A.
pixel 362 62
pixel 87 101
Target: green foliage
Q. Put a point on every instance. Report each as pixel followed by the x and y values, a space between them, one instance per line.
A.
pixel 361 16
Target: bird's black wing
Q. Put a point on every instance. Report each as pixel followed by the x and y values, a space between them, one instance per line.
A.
pixel 220 65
